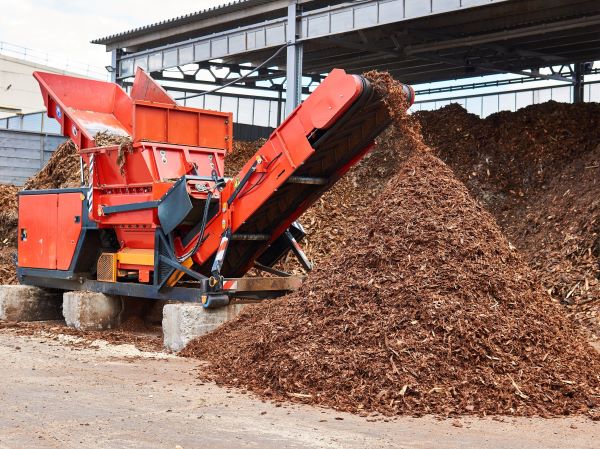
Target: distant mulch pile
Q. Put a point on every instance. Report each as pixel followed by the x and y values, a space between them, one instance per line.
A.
pixel 427 309
pixel 8 233
pixel 8 214
pixel 242 152
pixel 61 171
pixel 538 171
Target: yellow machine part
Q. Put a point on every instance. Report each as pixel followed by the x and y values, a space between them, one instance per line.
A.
pixel 130 256
pixel 179 274
pixel 107 267
pixel 108 263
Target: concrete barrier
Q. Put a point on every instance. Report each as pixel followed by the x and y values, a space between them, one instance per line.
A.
pixel 92 311
pixel 184 322
pixel 27 303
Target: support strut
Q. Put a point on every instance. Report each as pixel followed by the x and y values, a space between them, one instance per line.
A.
pixel 300 255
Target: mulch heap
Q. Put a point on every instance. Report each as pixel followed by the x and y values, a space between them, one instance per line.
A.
pixel 8 233
pixel 538 171
pixel 61 171
pixel 242 152
pixel 427 308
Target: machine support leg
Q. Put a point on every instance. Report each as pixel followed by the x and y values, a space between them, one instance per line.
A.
pixel 294 60
pixel 220 257
pixel 298 251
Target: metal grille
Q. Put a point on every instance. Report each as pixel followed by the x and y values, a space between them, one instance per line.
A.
pixel 107 267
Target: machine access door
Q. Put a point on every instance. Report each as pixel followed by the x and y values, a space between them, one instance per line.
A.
pixel 38 229
pixel 49 229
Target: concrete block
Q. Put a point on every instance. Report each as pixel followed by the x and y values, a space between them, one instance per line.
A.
pixel 184 322
pixel 92 311
pixel 27 303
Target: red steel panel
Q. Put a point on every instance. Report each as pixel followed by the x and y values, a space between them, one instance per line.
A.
pixel 84 106
pixel 38 228
pixel 69 224
pixel 145 88
pixel 181 125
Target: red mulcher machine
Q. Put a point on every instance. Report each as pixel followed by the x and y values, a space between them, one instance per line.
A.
pixel 159 220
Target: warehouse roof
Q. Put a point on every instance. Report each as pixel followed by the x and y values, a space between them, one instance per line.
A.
pixel 179 20
pixel 416 40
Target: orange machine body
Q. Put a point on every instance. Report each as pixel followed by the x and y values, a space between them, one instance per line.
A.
pixel 160 207
pixel 168 142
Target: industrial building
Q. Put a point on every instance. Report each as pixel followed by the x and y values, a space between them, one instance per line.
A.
pixel 281 49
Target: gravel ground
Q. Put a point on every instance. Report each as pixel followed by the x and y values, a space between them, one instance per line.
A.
pixel 58 395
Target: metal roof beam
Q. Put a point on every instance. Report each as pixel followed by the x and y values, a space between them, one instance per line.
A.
pixel 332 20
pixel 500 36
pixel 493 68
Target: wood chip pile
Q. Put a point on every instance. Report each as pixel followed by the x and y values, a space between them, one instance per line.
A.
pixel 8 233
pixel 427 309
pixel 538 171
pixel 241 153
pixel 61 171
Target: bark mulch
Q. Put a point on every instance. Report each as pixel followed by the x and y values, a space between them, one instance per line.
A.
pixel 427 309
pixel 538 171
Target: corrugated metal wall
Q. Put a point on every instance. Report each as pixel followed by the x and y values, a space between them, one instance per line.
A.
pixel 23 154
pixel 241 131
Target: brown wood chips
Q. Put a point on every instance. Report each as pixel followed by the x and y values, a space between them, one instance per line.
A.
pixel 425 307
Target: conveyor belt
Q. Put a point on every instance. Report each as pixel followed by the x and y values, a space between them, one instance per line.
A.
pixel 334 149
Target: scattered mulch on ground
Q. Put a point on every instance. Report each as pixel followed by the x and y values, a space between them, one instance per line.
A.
pixel 149 340
pixel 538 171
pixel 426 310
pixel 134 324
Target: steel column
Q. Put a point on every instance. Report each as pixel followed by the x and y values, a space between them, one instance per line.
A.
pixel 279 102
pixel 294 60
pixel 578 75
pixel 114 63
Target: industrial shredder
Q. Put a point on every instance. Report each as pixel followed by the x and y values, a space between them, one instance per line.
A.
pixel 157 219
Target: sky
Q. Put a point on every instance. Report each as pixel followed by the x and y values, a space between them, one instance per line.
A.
pixel 64 28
